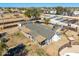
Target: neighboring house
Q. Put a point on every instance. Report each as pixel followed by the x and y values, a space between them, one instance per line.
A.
pixel 65 13
pixel 53 12
pixel 49 11
pixel 76 13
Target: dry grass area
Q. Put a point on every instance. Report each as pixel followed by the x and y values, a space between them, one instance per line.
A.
pixel 10 30
pixel 8 16
pixel 73 34
pixel 33 48
pixel 16 37
pixel 52 49
pixel 11 17
pixel 24 29
pixel 40 38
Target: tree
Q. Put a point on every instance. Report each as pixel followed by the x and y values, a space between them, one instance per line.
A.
pixel 41 52
pixel 1 50
pixel 9 10
pixel 46 21
pixel 59 10
pixel 3 47
pixel 28 13
pixel 32 12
